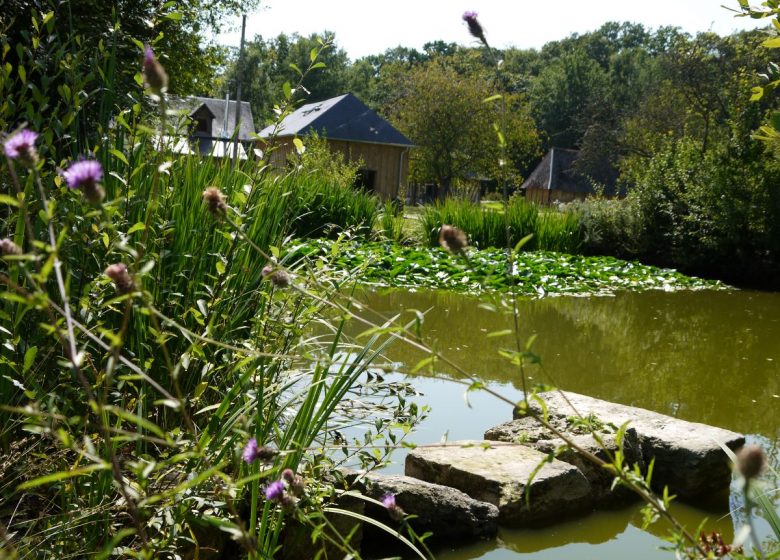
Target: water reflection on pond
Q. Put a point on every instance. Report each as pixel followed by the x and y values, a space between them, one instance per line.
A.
pixel 711 357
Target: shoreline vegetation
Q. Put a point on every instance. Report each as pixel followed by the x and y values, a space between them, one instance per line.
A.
pixel 537 273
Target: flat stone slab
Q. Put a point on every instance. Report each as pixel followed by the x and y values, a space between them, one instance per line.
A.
pixel 446 512
pixel 527 431
pixel 688 456
pixel 498 473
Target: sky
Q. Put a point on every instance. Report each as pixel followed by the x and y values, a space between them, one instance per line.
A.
pixel 364 27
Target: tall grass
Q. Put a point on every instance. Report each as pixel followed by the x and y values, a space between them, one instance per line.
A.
pixel 488 228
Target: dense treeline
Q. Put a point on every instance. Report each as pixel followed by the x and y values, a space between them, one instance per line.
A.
pixel 664 114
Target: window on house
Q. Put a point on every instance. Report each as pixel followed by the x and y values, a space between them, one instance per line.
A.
pixel 202 126
pixel 366 179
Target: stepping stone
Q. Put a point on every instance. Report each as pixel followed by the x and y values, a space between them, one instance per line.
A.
pixel 498 473
pixel 688 456
pixel 527 431
pixel 447 512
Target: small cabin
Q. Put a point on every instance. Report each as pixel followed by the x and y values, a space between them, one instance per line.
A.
pixel 556 179
pixel 208 126
pixel 350 127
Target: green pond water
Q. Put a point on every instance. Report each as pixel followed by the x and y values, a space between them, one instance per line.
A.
pixel 703 356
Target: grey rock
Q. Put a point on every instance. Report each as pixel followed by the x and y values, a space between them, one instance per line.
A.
pixel 498 473
pixel 527 431
pixel 446 512
pixel 688 456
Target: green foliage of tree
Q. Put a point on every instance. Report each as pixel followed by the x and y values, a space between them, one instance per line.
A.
pixel 101 43
pixel 562 94
pixel 444 113
pixel 269 64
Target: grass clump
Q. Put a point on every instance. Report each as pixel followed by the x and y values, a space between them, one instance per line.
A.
pixel 488 227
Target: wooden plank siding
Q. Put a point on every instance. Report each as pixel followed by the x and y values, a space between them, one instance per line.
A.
pixel 544 196
pixel 390 163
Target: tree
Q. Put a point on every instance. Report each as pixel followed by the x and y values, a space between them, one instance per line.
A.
pixel 80 58
pixel 268 65
pixel 561 95
pixel 444 113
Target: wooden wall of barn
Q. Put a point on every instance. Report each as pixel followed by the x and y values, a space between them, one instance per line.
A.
pixel 391 163
pixel 544 196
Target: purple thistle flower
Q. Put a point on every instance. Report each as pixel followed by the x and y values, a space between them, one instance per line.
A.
pixel 155 77
pixel 275 491
pixel 86 175
pixel 21 146
pixel 250 451
pixel 475 28
pixel 388 500
pixel 393 509
pixel 87 172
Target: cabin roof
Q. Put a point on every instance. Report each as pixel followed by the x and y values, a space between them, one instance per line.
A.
pixel 344 118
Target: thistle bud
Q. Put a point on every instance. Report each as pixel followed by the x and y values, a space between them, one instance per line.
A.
pixel 215 201
pixel 278 276
pixel 9 248
pixel 119 274
pixel 452 239
pixel 751 461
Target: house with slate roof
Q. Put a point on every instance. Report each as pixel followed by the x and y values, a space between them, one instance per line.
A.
pixel 555 179
pixel 349 127
pixel 207 126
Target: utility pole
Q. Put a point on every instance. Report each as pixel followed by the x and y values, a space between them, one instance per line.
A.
pixel 239 68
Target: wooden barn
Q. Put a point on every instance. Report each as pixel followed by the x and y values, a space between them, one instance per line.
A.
pixel 556 180
pixel 349 127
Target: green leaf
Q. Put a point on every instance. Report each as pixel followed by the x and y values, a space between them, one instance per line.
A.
pixel 62 475
pixel 119 155
pixel 492 98
pixel 10 200
pixel 774 120
pixel 773 43
pixel 220 267
pixel 29 358
pixel 137 227
pixel 313 54
pixel 287 90
pixel 504 332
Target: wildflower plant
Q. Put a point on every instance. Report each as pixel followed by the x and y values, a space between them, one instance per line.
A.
pixel 163 385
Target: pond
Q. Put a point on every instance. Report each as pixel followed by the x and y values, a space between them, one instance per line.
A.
pixel 704 356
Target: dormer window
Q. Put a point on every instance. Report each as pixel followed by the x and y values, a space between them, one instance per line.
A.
pixel 202 120
pixel 203 126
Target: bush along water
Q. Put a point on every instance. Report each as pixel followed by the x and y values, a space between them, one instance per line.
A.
pixel 159 393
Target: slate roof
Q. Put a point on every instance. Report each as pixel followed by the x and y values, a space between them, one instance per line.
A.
pixel 340 118
pixel 556 172
pixel 186 106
